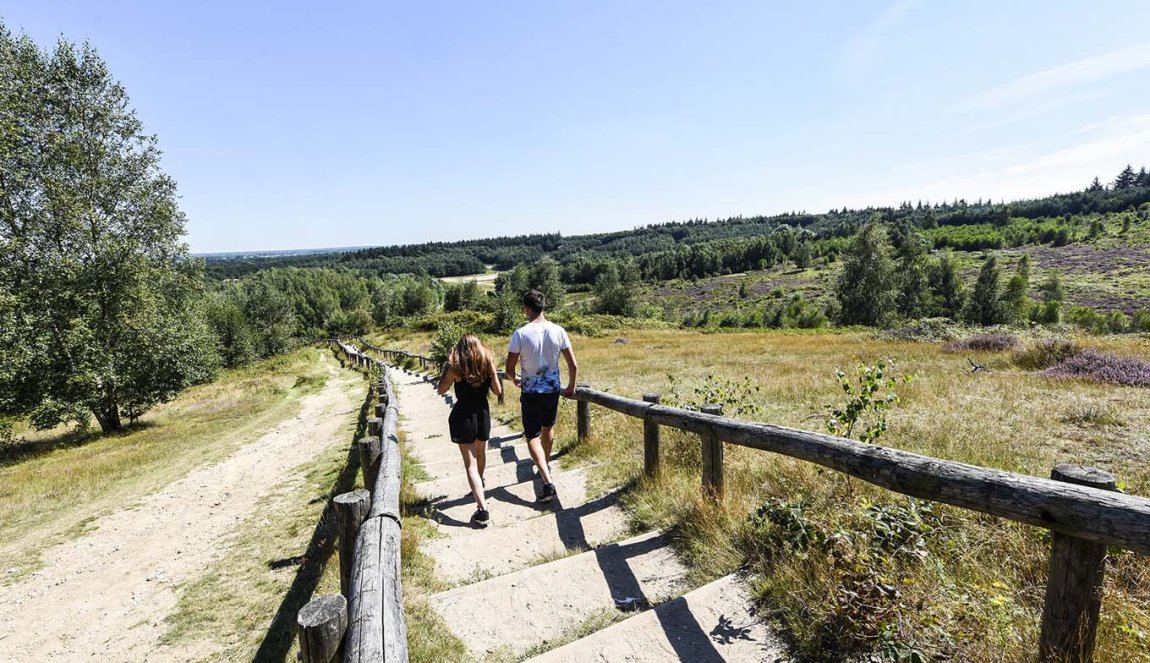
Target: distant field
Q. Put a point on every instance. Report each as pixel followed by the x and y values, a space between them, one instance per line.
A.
pixel 973 590
pixel 1111 275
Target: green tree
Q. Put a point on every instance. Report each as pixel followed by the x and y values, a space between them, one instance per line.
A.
pixel 102 309
pixel 803 255
pixel 948 294
pixel 913 287
pixel 1052 287
pixel 617 288
pixel 986 305
pixel 1014 298
pixel 866 287
pixel 544 277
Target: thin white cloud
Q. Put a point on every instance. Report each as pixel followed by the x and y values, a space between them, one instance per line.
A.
pixel 1079 72
pixel 863 51
pixel 1013 172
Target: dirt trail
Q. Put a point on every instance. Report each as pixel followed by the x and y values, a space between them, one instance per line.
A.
pixel 105 595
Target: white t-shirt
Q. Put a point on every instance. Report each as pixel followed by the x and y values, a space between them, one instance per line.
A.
pixel 539 344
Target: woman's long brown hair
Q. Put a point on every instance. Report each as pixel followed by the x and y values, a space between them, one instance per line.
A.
pixel 471 360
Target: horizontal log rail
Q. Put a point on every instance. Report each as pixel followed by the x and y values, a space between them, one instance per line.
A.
pixel 1079 505
pixel 1086 513
pixel 371 628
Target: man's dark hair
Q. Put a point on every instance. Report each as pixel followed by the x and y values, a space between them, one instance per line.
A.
pixel 535 301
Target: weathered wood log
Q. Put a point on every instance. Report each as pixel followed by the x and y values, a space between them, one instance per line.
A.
pixel 380 408
pixel 375 426
pixel 376 629
pixel 1074 583
pixel 628 406
pixel 1083 512
pixel 350 511
pixel 650 441
pixel 321 626
pixel 385 496
pixel 369 461
pixel 583 418
pixel 712 456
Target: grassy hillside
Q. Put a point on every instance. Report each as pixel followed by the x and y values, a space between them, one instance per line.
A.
pixel 846 567
pixel 55 484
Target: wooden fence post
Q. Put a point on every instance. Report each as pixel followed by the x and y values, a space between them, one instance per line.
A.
pixel 369 450
pixel 712 457
pixel 380 410
pixel 650 442
pixel 321 627
pixel 375 427
pixel 583 418
pixel 350 512
pixel 1074 586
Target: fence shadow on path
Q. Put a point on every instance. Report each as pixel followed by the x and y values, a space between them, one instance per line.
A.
pixel 281 632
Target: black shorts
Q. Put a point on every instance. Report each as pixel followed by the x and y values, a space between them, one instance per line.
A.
pixel 469 424
pixel 539 412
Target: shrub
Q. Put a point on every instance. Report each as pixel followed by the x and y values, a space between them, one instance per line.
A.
pixel 1046 353
pixel 984 343
pixel 1101 367
pixel 928 330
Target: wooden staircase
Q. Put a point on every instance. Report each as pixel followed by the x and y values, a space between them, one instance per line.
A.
pixel 564 581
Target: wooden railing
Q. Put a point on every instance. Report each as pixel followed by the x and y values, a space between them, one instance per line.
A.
pixel 425 362
pixel 1081 506
pixel 365 623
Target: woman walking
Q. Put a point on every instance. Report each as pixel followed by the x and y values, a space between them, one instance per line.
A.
pixel 472 372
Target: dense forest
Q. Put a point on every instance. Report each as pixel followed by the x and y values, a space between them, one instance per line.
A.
pixel 700 248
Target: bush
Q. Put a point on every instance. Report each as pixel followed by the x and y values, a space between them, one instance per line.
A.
pixel 1101 367
pixel 1046 353
pixel 929 330
pixel 984 343
pixel 473 321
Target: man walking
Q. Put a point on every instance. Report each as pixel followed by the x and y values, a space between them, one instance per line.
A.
pixel 536 347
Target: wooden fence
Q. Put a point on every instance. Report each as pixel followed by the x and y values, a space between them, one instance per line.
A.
pixel 364 623
pixel 425 362
pixel 1080 505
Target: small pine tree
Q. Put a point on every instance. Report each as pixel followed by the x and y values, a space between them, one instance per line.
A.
pixel 1014 299
pixel 946 288
pixel 986 306
pixel 1126 179
pixel 1052 288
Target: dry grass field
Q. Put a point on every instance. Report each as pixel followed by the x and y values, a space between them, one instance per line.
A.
pixel 846 567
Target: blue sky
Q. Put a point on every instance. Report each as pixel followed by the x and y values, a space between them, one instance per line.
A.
pixel 295 125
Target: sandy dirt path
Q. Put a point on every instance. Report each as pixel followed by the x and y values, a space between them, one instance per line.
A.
pixel 104 596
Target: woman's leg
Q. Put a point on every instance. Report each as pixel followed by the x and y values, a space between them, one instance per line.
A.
pixel 471 466
pixel 480 451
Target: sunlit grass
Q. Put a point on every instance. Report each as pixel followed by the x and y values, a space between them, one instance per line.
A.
pixel 54 496
pixel 975 591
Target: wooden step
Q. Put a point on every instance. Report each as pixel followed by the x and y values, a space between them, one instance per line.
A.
pixel 513 613
pixel 712 624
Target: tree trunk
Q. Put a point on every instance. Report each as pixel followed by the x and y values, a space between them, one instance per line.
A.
pixel 108 414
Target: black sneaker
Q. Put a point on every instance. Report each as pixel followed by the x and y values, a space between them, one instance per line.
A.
pixel 547 493
pixel 482 517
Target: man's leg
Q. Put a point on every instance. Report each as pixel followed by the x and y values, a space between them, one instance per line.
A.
pixel 535 448
pixel 548 440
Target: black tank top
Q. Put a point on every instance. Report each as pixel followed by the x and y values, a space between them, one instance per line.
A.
pixel 470 396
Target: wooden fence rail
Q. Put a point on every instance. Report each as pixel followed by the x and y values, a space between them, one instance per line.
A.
pixel 365 624
pixel 1078 504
